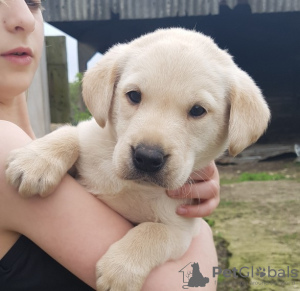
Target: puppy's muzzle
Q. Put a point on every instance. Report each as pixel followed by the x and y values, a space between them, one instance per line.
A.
pixel 148 159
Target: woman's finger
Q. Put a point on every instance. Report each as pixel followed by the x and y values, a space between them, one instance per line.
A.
pixel 201 190
pixel 204 174
pixel 205 208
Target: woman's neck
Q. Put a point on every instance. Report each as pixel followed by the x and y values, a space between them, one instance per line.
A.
pixel 16 111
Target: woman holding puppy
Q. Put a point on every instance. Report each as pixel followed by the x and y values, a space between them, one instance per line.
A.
pixel 54 243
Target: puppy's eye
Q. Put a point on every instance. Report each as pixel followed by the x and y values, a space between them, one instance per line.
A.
pixel 134 96
pixel 197 111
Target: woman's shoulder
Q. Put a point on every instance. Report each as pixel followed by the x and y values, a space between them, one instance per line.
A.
pixel 10 128
pixel 11 137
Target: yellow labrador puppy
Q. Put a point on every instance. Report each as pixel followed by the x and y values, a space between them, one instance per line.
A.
pixel 164 105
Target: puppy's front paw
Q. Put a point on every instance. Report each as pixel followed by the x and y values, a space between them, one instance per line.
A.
pixel 116 271
pixel 31 173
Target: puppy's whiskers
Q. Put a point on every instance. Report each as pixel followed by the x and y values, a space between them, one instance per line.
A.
pixel 202 176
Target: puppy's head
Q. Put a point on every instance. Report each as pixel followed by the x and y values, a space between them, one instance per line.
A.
pixel 175 101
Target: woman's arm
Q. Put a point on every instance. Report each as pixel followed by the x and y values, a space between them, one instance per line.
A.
pixel 76 229
pixel 71 225
pixel 201 251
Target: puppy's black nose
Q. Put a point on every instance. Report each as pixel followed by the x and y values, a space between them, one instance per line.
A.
pixel 148 158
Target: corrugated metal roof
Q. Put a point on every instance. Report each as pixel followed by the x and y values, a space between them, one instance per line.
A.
pixel 269 6
pixel 77 10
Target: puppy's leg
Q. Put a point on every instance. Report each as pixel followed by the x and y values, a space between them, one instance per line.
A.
pixel 128 262
pixel 39 167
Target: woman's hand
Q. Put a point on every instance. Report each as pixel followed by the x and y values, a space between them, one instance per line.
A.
pixel 205 187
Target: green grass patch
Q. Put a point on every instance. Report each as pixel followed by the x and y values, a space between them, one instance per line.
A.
pixel 261 176
pixel 232 204
pixel 225 181
pixel 221 278
pixel 288 238
pixel 210 222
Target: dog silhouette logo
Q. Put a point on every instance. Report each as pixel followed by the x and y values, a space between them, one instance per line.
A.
pixel 193 277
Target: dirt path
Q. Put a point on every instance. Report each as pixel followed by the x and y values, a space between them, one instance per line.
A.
pixel 261 222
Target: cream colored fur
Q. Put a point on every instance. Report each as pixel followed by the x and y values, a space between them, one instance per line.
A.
pixel 174 69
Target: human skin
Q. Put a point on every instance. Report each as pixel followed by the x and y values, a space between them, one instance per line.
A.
pixel 71 225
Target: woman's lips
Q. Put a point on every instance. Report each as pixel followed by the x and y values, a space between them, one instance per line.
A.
pixel 19 56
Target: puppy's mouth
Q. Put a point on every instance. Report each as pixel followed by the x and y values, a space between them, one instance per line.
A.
pixel 146 179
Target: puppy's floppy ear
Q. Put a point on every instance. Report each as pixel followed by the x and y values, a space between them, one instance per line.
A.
pixel 249 113
pixel 99 83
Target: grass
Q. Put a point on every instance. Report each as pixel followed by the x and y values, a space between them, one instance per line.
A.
pixel 259 176
pixel 288 238
pixel 210 222
pixel 260 222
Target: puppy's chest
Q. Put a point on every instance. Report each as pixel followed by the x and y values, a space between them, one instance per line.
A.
pixel 136 205
pixel 136 202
